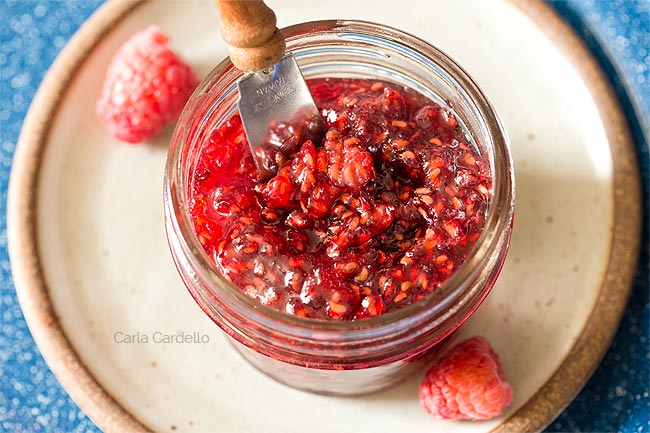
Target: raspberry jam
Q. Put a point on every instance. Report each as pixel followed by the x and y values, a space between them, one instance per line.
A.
pixel 373 218
pixel 351 242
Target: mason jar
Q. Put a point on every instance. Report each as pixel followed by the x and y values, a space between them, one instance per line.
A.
pixel 344 357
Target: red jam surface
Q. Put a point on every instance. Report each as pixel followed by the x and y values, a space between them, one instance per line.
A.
pixel 373 218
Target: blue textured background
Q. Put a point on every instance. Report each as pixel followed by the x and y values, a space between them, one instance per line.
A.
pixel 32 33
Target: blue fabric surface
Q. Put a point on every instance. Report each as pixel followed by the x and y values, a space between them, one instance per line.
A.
pixel 32 33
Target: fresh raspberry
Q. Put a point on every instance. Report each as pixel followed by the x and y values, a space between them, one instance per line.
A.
pixel 146 87
pixel 467 382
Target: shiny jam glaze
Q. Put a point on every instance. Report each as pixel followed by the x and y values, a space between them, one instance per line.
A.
pixel 372 219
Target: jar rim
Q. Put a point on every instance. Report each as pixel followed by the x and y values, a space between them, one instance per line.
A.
pixel 497 220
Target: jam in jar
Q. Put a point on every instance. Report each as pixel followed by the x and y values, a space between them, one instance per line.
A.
pixel 344 272
pixel 373 217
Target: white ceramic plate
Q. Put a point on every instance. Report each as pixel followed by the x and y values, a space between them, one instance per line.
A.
pixel 95 276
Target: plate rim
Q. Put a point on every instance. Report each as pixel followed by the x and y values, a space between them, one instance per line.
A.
pixel 109 415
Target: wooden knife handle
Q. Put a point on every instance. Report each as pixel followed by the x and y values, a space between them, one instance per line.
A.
pixel 248 27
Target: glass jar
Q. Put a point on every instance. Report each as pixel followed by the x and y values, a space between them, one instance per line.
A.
pixel 352 357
